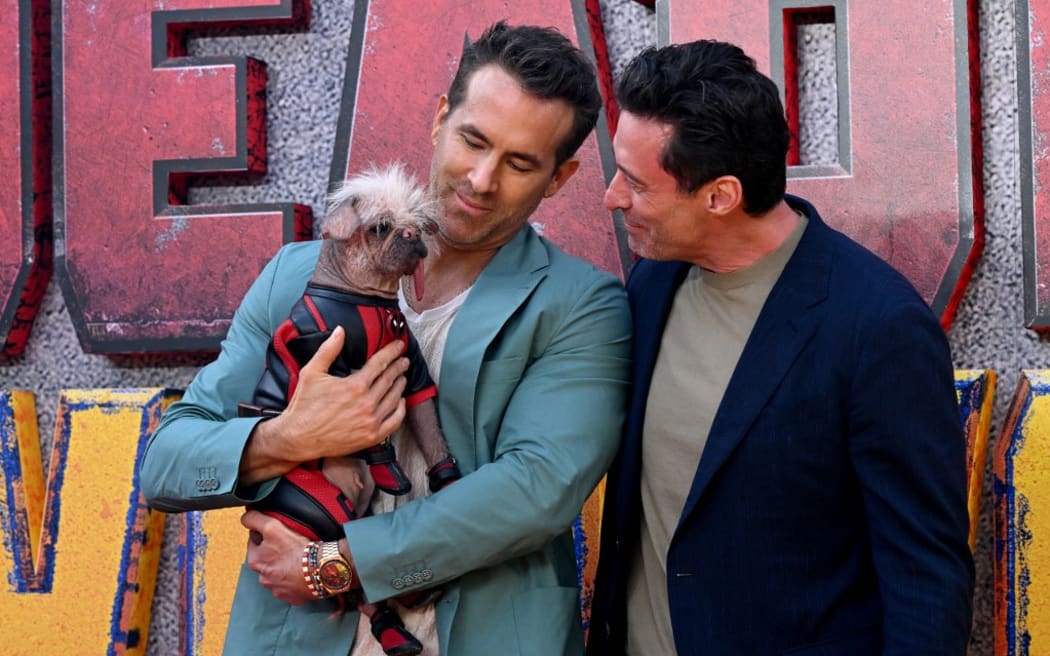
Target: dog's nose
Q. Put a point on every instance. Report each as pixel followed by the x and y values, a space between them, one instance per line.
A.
pixel 409 233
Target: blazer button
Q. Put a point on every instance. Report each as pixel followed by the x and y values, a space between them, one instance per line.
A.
pixel 398 583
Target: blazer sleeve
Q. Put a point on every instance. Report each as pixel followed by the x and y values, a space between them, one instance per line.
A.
pixel 908 447
pixel 192 460
pixel 559 433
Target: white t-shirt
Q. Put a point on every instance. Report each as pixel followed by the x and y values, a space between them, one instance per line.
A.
pixel 430 328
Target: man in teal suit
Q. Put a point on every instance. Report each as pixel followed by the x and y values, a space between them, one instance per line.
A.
pixel 531 347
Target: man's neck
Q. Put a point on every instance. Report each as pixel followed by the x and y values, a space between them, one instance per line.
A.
pixel 447 272
pixel 747 239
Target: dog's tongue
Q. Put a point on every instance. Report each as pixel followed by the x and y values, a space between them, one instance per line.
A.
pixel 417 280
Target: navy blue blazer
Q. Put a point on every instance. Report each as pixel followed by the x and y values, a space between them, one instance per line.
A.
pixel 828 511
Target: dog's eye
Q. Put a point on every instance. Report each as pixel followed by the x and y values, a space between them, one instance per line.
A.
pixel 381 228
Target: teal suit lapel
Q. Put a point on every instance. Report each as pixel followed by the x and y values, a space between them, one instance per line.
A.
pixel 788 320
pixel 503 286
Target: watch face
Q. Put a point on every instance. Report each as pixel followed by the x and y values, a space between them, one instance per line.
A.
pixel 334 575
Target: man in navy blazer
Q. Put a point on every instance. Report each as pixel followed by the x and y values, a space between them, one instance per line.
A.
pixel 792 475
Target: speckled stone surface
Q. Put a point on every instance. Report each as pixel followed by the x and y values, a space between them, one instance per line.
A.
pixel 305 85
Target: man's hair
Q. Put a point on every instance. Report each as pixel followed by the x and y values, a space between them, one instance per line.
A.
pixel 546 65
pixel 726 117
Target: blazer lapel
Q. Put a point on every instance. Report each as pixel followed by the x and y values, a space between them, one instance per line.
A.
pixel 503 286
pixel 653 286
pixel 786 323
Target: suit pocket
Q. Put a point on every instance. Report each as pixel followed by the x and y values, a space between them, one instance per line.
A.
pixel 804 419
pixel 868 643
pixel 501 370
pixel 497 380
pixel 548 623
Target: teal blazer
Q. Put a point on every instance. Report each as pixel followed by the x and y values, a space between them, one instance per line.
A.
pixel 532 399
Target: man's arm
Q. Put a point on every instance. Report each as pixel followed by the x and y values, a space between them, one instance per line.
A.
pixel 908 449
pixel 558 435
pixel 203 456
pixel 314 426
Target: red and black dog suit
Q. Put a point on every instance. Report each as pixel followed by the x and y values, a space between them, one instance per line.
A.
pixel 304 499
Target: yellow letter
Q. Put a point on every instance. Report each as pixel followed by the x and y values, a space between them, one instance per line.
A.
pixel 81 565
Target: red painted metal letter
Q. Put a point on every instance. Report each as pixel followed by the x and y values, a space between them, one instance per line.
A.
pixel 908 179
pixel 25 147
pixel 1033 57
pixel 140 270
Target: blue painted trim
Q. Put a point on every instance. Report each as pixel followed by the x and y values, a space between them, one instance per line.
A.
pixel 150 412
pixel 16 531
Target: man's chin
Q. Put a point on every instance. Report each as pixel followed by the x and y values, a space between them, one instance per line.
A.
pixel 457 225
pixel 638 247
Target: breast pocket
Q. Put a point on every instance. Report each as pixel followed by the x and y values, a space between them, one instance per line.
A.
pixel 497 381
pixel 503 369
pixel 802 452
pixel 801 422
pixel 865 643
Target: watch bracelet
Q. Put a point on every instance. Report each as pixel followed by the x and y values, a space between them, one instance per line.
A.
pixel 310 561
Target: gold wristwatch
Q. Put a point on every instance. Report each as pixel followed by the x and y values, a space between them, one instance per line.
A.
pixel 333 570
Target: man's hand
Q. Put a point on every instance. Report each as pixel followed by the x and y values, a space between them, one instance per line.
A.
pixel 275 554
pixel 329 415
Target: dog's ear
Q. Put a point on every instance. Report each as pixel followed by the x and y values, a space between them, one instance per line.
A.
pixel 343 223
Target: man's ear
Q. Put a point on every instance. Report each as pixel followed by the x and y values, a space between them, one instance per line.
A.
pixel 439 118
pixel 561 176
pixel 723 195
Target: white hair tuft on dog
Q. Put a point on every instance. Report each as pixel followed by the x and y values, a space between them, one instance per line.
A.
pixel 388 191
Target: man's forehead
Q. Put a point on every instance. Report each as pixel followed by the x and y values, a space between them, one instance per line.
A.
pixel 488 75
pixel 493 82
pixel 495 106
pixel 635 127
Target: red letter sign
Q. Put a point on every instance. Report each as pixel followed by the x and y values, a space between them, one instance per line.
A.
pixel 25 201
pixel 908 179
pixel 396 74
pixel 141 271
pixel 1033 106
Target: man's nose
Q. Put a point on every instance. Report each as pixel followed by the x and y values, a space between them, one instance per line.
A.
pixel 483 175
pixel 617 196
